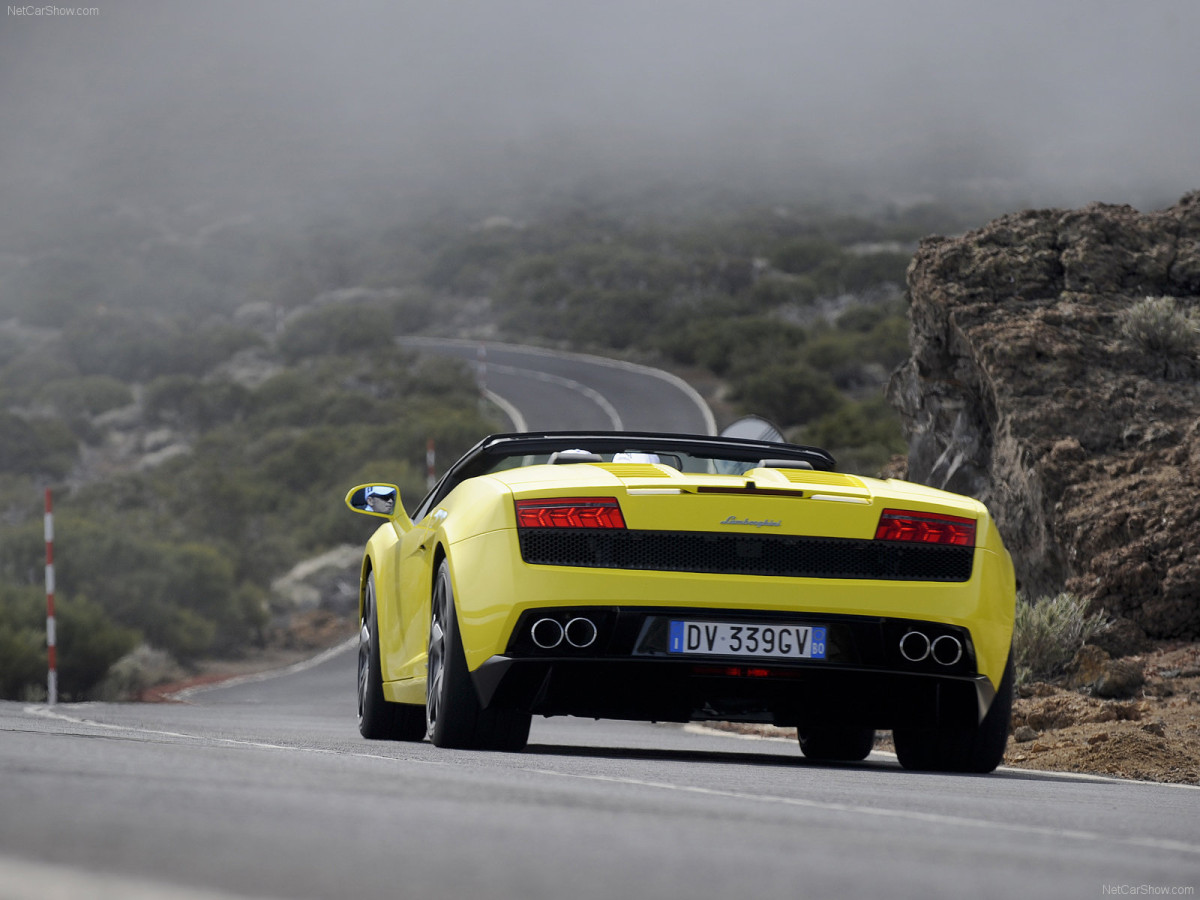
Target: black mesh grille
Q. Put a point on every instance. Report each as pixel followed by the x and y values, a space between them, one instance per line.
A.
pixel 745 554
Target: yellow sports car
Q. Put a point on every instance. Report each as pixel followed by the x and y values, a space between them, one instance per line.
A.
pixel 667 577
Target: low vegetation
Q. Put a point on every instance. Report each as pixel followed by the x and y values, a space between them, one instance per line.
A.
pixel 1048 632
pixel 1166 330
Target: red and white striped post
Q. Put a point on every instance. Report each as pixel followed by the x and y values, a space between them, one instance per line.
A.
pixel 430 464
pixel 51 636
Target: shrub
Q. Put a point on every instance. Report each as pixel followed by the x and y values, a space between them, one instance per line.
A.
pixel 35 446
pixel 788 393
pixel 804 255
pixel 22 640
pixel 1161 328
pixel 1048 632
pixel 88 395
pixel 337 329
pixel 187 402
pixel 88 641
pixel 122 344
pixel 862 435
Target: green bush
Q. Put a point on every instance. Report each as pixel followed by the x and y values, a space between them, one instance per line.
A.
pixel 472 263
pixel 125 345
pixel 730 346
pixel 774 290
pixel 28 372
pixel 803 256
pixel 788 393
pixel 22 640
pixel 136 346
pixel 1163 329
pixel 88 643
pixel 184 401
pixel 35 446
pixel 1048 632
pixel 862 435
pixel 88 395
pixel 337 330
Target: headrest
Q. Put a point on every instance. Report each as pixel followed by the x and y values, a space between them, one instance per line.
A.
pixel 784 464
pixel 559 457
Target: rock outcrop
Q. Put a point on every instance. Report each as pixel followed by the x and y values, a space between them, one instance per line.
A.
pixel 1024 390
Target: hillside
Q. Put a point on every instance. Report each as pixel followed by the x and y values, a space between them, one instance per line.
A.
pixel 1055 374
pixel 1041 382
pixel 200 394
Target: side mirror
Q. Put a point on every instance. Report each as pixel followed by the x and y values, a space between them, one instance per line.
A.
pixel 374 500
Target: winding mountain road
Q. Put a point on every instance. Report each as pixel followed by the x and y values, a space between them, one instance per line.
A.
pixel 549 390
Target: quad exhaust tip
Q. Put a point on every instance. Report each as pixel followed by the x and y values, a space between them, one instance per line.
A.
pixel 580 633
pixel 945 649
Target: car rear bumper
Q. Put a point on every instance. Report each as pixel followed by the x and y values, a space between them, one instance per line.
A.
pixel 868 677
pixel 676 691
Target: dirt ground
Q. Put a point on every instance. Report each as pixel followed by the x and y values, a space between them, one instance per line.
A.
pixel 1153 736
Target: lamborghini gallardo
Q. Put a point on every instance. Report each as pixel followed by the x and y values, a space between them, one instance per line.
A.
pixel 676 578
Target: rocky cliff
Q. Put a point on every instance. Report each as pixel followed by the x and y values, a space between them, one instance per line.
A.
pixel 1028 389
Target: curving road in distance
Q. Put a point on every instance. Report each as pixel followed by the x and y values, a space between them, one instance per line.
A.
pixel 549 390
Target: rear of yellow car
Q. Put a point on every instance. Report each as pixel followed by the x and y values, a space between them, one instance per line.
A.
pixel 834 603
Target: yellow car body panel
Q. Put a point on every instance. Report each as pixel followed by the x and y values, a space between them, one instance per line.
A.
pixel 493 586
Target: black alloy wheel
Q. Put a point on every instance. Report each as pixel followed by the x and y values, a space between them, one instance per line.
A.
pixel 453 713
pixel 378 718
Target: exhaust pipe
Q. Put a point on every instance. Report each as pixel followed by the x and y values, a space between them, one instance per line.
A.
pixel 547 633
pixel 947 650
pixel 581 632
pixel 914 646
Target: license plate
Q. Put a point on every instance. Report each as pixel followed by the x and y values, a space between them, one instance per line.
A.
pixel 740 639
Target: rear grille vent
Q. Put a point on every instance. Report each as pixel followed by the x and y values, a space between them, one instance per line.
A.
pixel 795 557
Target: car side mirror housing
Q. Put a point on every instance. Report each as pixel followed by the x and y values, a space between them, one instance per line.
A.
pixel 381 500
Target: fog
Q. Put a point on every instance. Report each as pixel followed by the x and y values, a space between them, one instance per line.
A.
pixel 235 107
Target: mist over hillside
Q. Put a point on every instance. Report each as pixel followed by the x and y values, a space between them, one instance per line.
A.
pixel 199 112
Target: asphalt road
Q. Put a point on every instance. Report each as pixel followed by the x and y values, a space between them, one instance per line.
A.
pixel 265 789
pixel 555 391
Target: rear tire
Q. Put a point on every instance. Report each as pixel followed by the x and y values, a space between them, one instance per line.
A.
pixel 833 744
pixel 377 718
pixel 978 749
pixel 454 716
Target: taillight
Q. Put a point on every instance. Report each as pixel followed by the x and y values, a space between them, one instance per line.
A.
pixel 925 528
pixel 570 512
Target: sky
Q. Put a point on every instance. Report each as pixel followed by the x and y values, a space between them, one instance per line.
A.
pixel 228 107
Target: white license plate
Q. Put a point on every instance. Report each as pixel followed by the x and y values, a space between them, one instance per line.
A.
pixel 740 639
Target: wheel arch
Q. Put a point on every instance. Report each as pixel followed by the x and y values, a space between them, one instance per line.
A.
pixel 365 570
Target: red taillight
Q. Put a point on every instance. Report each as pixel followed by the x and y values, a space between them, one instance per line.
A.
pixel 925 528
pixel 570 512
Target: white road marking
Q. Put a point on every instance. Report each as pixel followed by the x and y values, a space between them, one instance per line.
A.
pixel 571 384
pixel 22 879
pixel 510 410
